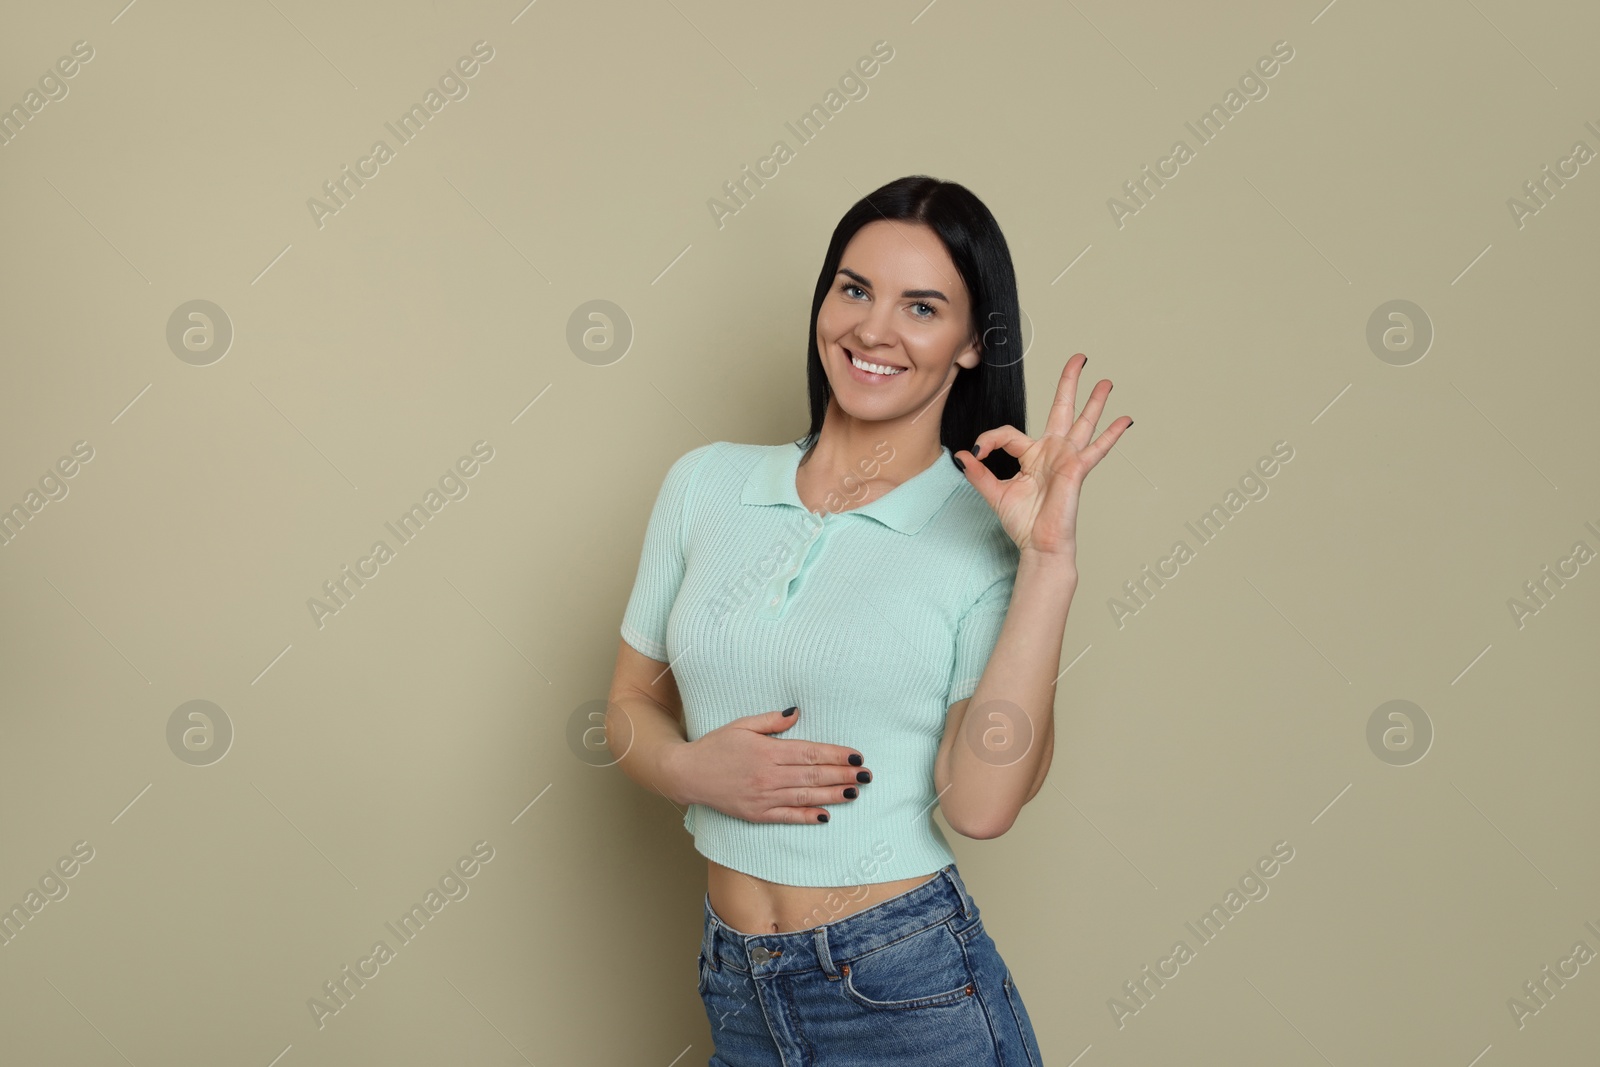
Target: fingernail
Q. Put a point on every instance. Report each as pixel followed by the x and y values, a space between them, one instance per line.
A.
pixel 855 759
pixel 823 817
pixel 863 776
pixel 791 711
pixel 959 464
pixel 975 449
pixel 850 791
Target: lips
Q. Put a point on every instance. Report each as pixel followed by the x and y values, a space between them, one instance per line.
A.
pixel 878 362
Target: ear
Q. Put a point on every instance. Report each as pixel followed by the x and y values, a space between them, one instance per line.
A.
pixel 970 355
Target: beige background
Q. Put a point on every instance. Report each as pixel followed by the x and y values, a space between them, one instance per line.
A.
pixel 437 708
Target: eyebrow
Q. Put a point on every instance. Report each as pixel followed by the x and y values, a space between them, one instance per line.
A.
pixel 916 293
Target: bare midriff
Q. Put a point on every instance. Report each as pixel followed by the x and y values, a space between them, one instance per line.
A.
pixel 754 905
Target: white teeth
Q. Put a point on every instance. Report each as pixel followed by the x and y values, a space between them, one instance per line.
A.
pixel 874 367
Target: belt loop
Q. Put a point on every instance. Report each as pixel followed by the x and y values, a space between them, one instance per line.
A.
pixel 708 938
pixel 960 887
pixel 819 938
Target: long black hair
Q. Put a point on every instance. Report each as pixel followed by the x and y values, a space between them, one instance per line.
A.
pixel 981 398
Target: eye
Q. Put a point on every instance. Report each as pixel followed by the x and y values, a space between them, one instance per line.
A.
pixel 930 308
pixel 847 286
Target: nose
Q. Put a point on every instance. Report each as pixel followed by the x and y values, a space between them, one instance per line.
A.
pixel 876 327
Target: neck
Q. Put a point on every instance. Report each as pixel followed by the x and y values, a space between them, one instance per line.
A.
pixel 885 452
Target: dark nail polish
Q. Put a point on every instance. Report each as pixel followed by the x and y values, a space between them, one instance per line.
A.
pixel 863 776
pixel 959 464
pixel 855 759
pixel 790 711
pixel 850 791
pixel 823 817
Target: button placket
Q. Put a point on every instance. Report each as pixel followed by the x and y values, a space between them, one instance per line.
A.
pixel 779 588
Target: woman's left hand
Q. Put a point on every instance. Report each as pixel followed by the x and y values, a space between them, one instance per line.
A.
pixel 1038 506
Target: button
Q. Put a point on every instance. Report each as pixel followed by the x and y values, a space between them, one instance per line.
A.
pixel 774 601
pixel 762 955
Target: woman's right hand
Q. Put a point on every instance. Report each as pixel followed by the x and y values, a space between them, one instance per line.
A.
pixel 740 770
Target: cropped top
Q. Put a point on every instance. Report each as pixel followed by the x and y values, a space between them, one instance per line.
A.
pixel 872 619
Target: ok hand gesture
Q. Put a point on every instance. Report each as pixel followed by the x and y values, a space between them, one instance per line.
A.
pixel 1039 505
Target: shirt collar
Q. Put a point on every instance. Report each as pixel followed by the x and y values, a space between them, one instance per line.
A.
pixel 906 508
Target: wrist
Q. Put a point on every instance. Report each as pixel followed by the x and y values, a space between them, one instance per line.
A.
pixel 1060 566
pixel 671 777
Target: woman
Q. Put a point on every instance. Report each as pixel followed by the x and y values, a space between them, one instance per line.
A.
pixel 810 625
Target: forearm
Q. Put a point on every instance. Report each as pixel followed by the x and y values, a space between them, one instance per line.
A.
pixel 644 736
pixel 1008 733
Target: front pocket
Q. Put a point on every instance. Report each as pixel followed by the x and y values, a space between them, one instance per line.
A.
pixel 927 969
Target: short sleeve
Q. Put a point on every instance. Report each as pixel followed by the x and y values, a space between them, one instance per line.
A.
pixel 976 635
pixel 655 587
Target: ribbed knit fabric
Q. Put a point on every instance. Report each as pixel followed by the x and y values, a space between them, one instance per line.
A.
pixel 873 619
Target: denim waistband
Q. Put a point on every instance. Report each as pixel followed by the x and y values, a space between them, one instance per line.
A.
pixel 937 900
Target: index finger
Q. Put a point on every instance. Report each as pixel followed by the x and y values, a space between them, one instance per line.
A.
pixel 813 753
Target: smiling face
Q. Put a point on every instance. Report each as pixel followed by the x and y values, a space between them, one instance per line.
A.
pixel 898 303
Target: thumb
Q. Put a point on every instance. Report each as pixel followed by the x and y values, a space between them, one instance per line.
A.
pixel 773 722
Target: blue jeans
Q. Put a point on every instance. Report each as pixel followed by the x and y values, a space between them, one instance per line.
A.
pixel 911 980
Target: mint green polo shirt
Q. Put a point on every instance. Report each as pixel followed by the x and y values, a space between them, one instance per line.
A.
pixel 872 619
